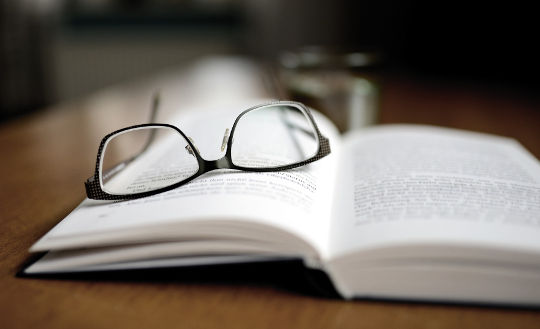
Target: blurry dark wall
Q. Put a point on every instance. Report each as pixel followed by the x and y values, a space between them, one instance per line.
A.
pixel 56 50
pixel 483 41
pixel 94 44
pixel 24 35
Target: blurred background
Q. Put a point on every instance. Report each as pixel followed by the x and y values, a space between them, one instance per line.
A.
pixel 56 50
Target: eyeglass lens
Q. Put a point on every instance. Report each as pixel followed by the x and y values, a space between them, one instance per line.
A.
pixel 163 157
pixel 273 136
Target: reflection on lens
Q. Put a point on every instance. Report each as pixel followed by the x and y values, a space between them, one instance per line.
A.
pixel 273 136
pixel 145 159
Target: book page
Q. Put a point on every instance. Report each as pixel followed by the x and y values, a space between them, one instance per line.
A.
pixel 413 185
pixel 225 204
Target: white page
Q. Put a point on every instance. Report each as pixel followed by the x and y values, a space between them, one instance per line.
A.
pixel 219 204
pixel 416 185
pixel 124 256
pixel 46 265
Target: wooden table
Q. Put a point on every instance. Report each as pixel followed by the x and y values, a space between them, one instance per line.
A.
pixel 47 156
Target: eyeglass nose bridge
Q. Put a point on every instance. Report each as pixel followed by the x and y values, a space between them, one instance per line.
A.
pixel 189 149
pixel 207 165
pixel 222 163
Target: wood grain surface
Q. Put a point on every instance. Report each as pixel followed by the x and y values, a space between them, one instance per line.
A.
pixel 47 156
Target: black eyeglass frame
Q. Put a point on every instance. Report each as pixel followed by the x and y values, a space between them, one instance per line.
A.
pixel 95 191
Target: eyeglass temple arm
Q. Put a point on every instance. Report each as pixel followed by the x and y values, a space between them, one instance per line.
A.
pixel 302 129
pixel 152 119
pixel 292 125
pixel 153 114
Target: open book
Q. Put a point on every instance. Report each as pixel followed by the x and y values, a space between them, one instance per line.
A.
pixel 396 211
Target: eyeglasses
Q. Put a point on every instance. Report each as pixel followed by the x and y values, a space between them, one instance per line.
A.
pixel 148 159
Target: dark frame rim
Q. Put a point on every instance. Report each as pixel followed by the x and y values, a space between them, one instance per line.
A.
pixel 95 191
pixel 305 111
